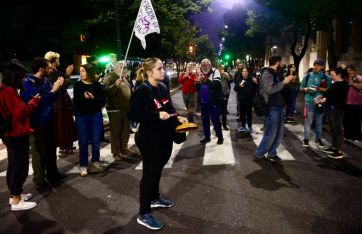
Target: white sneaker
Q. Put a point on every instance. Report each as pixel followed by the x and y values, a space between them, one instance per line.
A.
pixel 83 171
pixel 23 205
pixel 25 197
pixel 97 167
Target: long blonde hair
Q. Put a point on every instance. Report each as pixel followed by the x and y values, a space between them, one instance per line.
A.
pixel 148 65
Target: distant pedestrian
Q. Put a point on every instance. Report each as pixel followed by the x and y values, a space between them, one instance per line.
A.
pixel 245 88
pixel 151 107
pixel 270 89
pixel 17 139
pixel 290 93
pixel 225 87
pixel 187 80
pixel 237 76
pixel 353 113
pixel 111 64
pixel 99 72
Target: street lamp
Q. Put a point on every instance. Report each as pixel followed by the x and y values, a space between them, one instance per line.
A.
pixel 191 49
pixel 273 50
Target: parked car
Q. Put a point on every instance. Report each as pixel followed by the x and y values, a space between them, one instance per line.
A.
pixel 73 79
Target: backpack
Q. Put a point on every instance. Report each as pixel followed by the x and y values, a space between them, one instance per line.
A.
pixel 5 124
pixel 261 108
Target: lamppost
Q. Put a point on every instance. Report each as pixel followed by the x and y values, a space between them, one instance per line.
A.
pixel 274 50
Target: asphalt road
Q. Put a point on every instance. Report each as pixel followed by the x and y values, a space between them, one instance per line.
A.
pixel 216 189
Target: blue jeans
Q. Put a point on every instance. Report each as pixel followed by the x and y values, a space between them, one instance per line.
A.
pixel 210 111
pixel 89 126
pixel 317 116
pixel 273 133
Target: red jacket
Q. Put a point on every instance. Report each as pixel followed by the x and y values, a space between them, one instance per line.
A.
pixel 188 84
pixel 12 104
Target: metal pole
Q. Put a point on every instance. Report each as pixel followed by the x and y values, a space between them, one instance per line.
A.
pixel 129 43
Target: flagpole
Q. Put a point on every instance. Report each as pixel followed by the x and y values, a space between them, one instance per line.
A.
pixel 130 40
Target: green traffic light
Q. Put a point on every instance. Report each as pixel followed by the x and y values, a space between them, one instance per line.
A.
pixel 104 59
pixel 227 56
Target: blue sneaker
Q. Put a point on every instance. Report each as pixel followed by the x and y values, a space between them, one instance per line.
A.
pixel 149 221
pixel 241 129
pixel 250 130
pixel 163 203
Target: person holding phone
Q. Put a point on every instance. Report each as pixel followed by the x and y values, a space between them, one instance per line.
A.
pixel 188 79
pixel 290 93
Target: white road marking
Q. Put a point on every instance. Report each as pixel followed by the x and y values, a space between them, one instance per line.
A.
pixel 283 153
pixel 219 154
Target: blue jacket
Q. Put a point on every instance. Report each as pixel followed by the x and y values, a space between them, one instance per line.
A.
pixel 45 112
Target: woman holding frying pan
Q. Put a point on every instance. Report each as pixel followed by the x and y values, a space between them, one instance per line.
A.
pixel 151 106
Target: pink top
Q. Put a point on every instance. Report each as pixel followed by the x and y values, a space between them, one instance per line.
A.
pixel 354 95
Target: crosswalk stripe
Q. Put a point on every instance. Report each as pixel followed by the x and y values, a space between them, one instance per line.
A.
pixel 219 154
pixel 283 153
pixel 299 132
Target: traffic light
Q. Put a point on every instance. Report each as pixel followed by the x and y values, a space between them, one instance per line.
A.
pixel 227 57
pixel 104 59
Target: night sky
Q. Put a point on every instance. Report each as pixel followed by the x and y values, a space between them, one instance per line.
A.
pixel 212 23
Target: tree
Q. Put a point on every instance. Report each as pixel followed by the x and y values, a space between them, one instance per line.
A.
pixel 302 20
pixel 234 35
pixel 33 28
pixel 277 17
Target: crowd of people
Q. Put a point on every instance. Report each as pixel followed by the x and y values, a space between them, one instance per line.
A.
pixel 44 117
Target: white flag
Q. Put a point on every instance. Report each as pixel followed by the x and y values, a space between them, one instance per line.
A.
pixel 146 22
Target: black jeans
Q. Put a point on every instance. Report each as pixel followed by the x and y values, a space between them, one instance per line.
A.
pixel 44 155
pixel 18 163
pixel 224 110
pixel 246 112
pixel 156 150
pixel 352 122
pixel 335 118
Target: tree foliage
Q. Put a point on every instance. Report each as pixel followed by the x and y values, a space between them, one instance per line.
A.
pixel 236 42
pixel 31 28
pixel 302 19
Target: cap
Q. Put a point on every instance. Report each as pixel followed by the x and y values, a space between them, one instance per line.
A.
pixel 319 62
